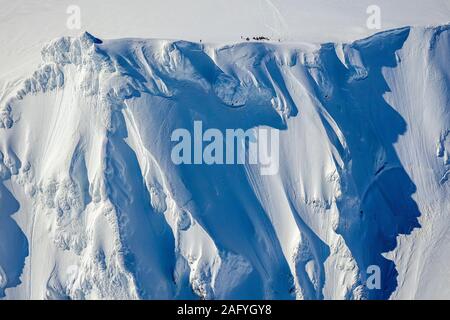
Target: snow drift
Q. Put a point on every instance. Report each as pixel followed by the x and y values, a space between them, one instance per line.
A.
pixel 91 205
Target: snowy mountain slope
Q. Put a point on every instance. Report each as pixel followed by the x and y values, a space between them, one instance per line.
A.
pixel 92 205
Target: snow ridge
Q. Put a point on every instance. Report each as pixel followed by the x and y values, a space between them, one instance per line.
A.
pixel 102 212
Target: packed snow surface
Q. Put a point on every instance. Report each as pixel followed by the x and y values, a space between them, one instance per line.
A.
pixel 93 207
pixel 26 25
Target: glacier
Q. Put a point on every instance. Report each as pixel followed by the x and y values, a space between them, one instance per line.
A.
pixel 92 207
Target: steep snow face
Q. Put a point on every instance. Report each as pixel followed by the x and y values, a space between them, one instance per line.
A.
pixel 26 25
pixel 92 205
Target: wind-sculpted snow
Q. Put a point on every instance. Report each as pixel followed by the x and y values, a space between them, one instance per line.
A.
pixel 92 205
